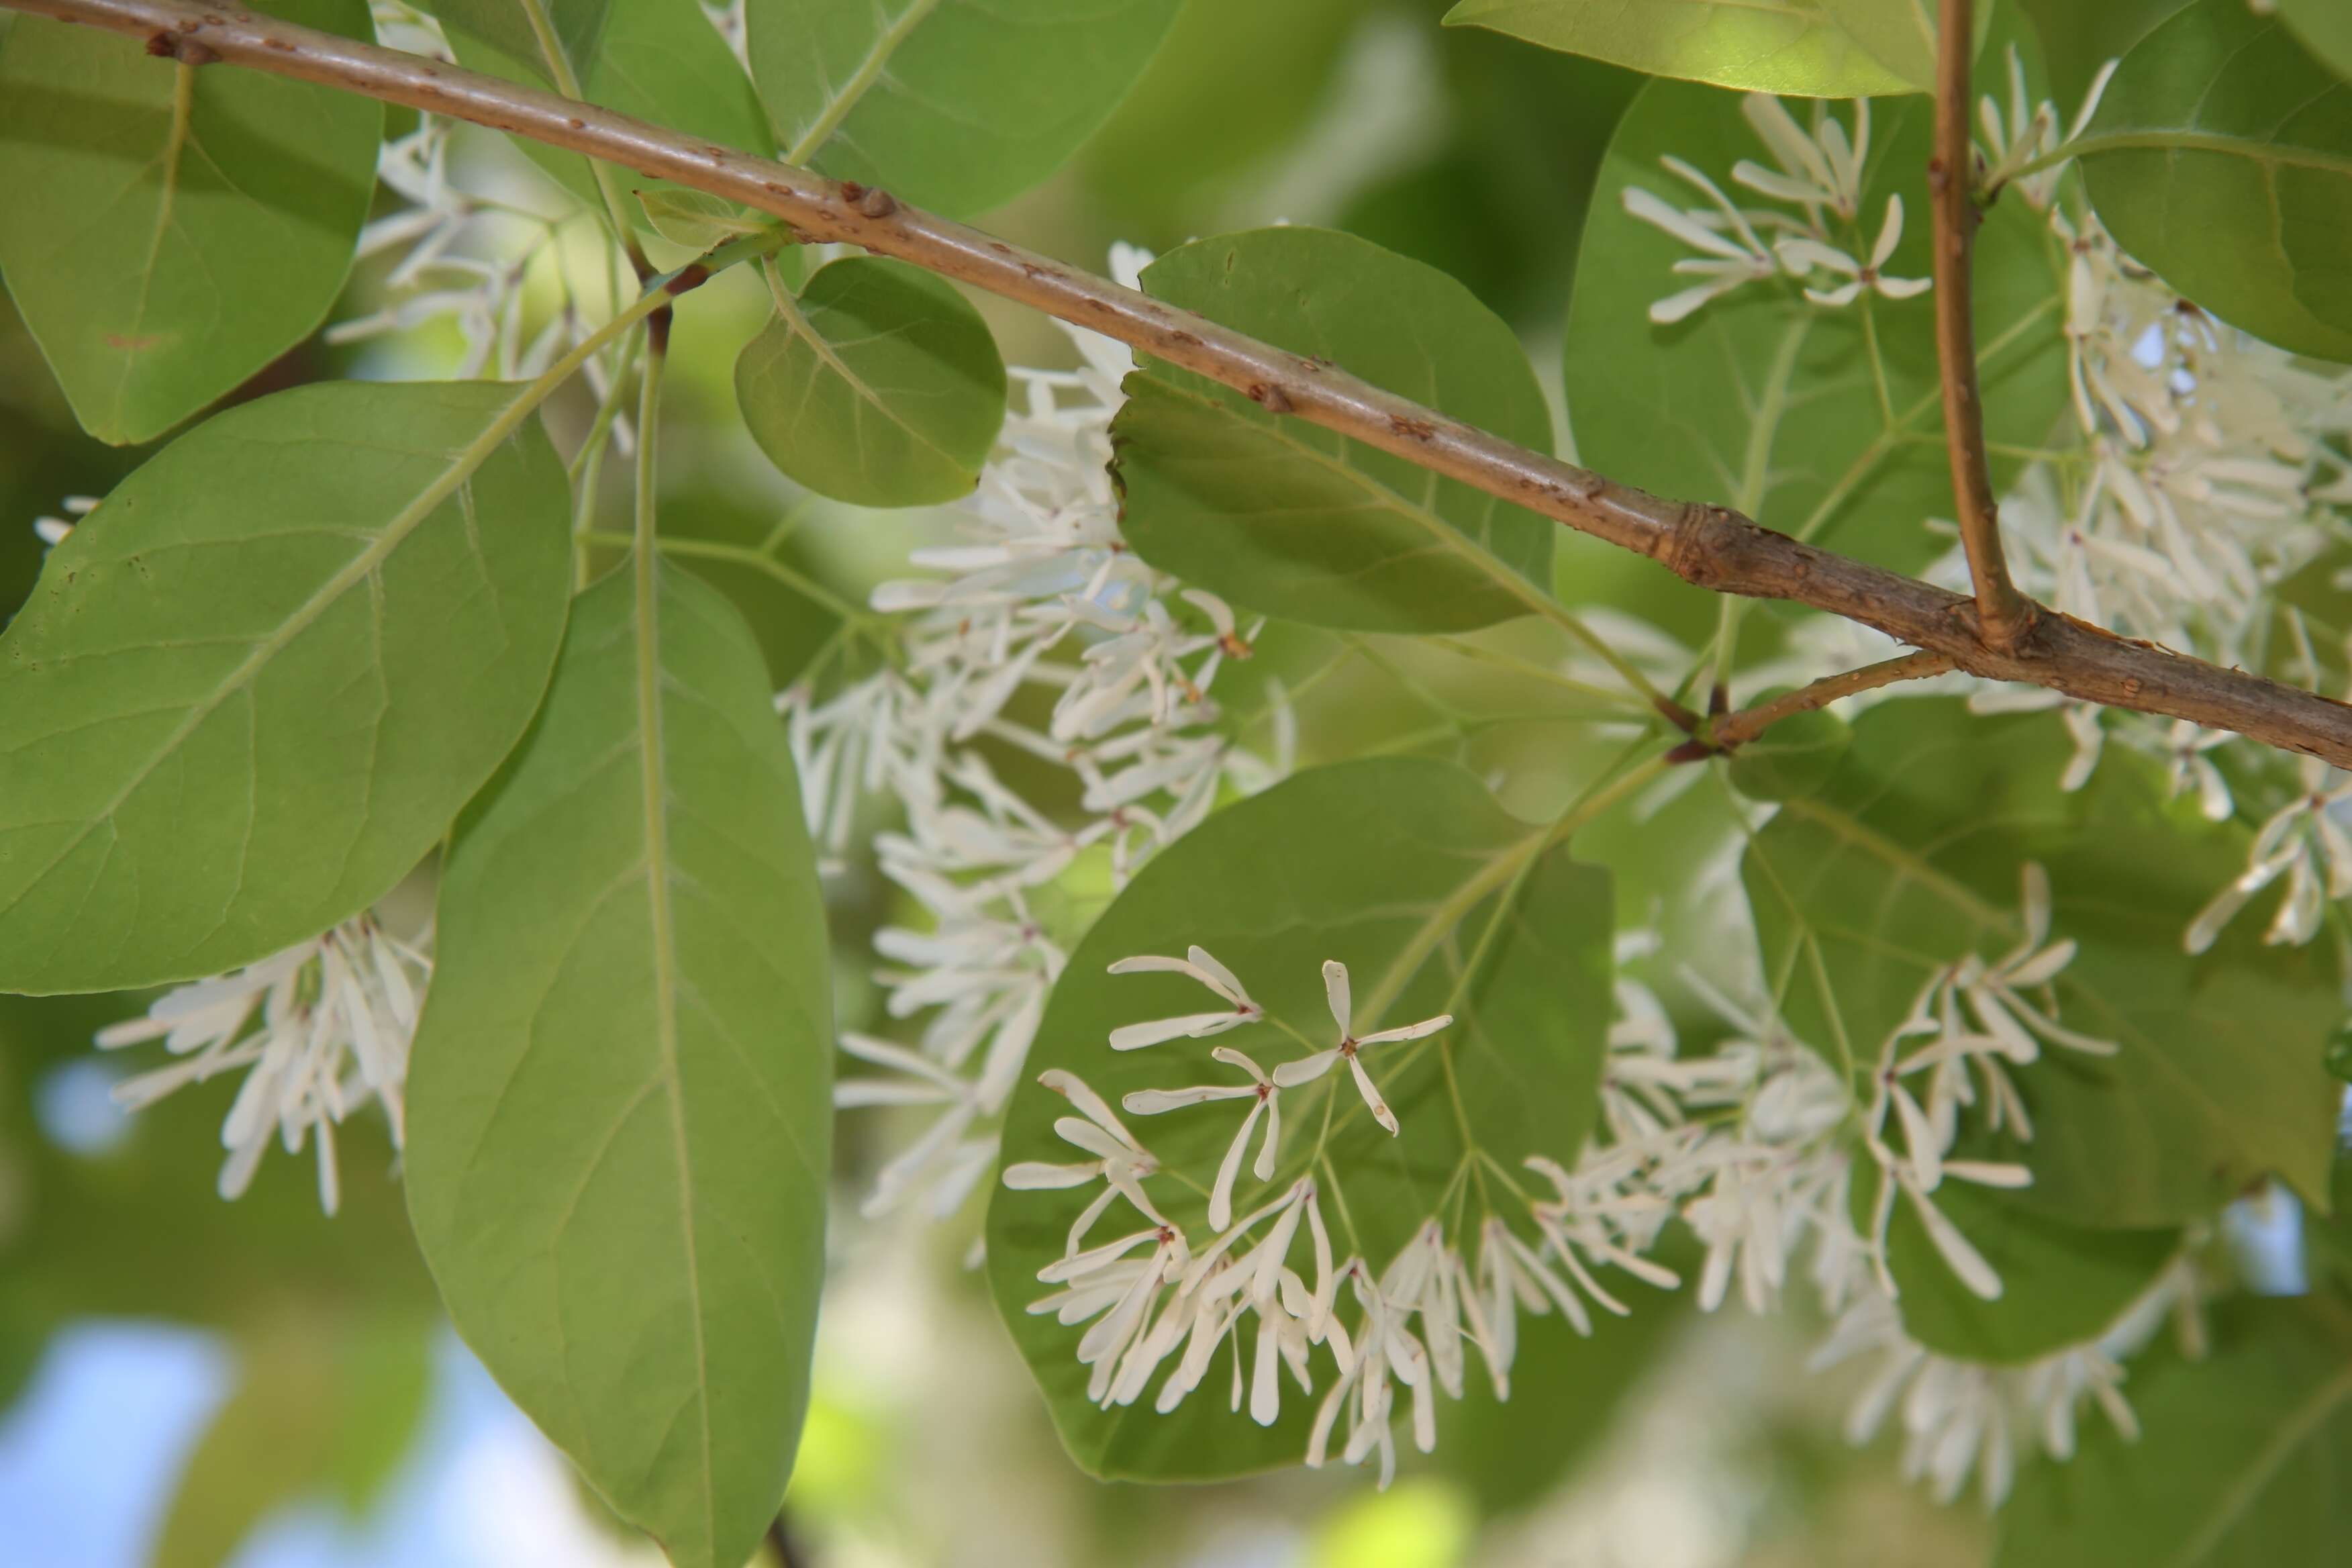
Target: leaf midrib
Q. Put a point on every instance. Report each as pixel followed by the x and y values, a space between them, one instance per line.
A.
pixel 2271 154
pixel 175 142
pixel 852 92
pixel 799 325
pixel 653 782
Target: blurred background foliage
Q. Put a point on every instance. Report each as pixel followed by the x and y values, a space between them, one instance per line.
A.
pixel 328 1410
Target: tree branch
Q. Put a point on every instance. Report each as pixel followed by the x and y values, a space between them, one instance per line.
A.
pixel 2003 614
pixel 1710 546
pixel 1739 728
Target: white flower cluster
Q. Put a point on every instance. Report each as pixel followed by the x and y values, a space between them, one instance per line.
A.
pixel 1755 1145
pixel 1812 233
pixel 1041 596
pixel 318 1030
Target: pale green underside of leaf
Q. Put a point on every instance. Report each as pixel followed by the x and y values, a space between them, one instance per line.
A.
pixel 2239 1463
pixel 1298 522
pixel 170 231
pixel 618 1111
pixel 880 385
pixel 955 105
pixel 2222 157
pixel 1767 46
pixel 250 691
pixel 1395 867
pixel 659 60
pixel 1909 858
pixel 1822 421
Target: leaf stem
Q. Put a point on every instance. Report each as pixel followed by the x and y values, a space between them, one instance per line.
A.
pixel 567 82
pixel 1739 728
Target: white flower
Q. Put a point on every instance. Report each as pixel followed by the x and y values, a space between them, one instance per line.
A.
pixel 1122 1162
pixel 1730 254
pixel 2187 752
pixel 52 530
pixel 1804 254
pixel 1198 964
pixel 1823 169
pixel 2303 842
pixel 335 1016
pixel 1306 1069
pixel 1118 1292
pixel 1265 1099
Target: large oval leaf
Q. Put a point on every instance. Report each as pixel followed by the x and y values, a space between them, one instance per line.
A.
pixel 880 385
pixel 170 230
pixel 1796 47
pixel 2326 28
pixel 1299 521
pixel 1909 858
pixel 956 105
pixel 618 1112
pixel 1824 422
pixel 2222 157
pixel 251 690
pixel 2239 1461
pixel 1402 870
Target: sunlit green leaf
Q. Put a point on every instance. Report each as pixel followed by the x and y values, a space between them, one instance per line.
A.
pixel 617 1112
pixel 2222 157
pixel 952 104
pixel 880 385
pixel 1796 47
pixel 170 230
pixel 1909 858
pixel 1901 34
pixel 251 690
pixel 1437 902
pixel 1289 518
pixel 2239 1461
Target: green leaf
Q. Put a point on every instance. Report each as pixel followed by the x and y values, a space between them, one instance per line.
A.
pixel 2326 28
pixel 317 1406
pixel 618 1110
pixel 2059 1283
pixel 2238 1462
pixel 1901 34
pixel 879 386
pixel 2222 157
pixel 171 230
pixel 697 219
pixel 1792 757
pixel 659 60
pixel 251 690
pixel 1795 47
pixel 956 105
pixel 1408 873
pixel 1909 859
pixel 1286 517
pixel 1822 421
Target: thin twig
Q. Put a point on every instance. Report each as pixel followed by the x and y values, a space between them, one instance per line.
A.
pixel 2003 614
pixel 1710 546
pixel 1739 728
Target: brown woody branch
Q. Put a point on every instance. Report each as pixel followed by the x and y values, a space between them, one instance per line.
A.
pixel 1706 545
pixel 1736 730
pixel 2003 614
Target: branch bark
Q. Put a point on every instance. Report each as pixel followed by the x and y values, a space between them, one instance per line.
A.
pixel 1706 545
pixel 1736 730
pixel 2003 614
